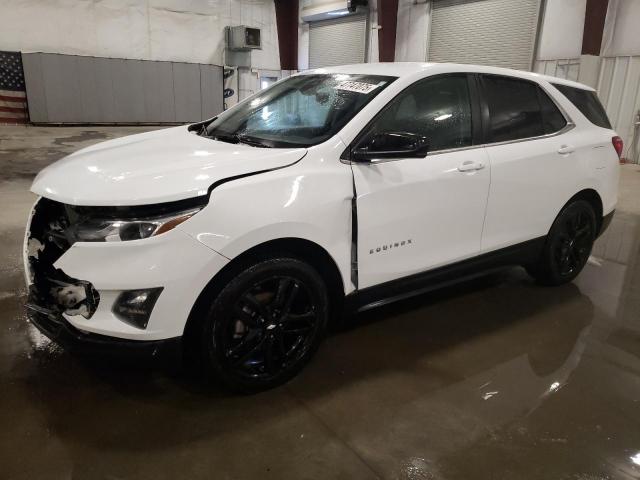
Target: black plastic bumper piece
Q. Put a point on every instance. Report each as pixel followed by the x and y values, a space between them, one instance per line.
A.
pixel 59 330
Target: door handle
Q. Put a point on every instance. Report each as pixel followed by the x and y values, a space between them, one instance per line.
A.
pixel 566 149
pixel 470 166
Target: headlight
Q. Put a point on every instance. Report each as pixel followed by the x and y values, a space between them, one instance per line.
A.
pixel 130 224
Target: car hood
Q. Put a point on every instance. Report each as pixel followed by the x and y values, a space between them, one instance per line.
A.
pixel 153 167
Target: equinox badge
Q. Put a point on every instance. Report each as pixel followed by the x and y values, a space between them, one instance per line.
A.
pixel 389 246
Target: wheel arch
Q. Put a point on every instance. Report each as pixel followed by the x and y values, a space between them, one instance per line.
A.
pixel 299 248
pixel 593 198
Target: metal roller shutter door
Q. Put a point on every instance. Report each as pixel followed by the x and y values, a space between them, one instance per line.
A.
pixel 486 32
pixel 337 42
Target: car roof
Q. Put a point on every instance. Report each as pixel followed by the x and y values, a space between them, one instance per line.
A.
pixel 411 69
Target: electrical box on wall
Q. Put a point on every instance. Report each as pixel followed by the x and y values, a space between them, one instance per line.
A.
pixel 243 38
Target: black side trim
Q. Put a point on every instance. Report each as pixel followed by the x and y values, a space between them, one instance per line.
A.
pixel 606 221
pixel 354 232
pixel 485 119
pixel 477 120
pixel 406 287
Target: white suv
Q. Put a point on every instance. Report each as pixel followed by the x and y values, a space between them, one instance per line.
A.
pixel 356 185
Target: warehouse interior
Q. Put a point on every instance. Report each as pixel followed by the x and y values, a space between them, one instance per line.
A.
pixel 495 377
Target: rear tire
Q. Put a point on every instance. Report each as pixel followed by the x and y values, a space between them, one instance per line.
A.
pixel 264 325
pixel 568 245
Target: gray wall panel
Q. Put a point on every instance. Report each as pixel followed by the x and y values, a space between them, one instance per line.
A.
pixel 128 90
pixel 36 98
pixel 135 76
pixel 61 88
pixel 211 82
pixel 217 90
pixel 75 89
pixel 206 81
pixel 158 92
pixel 89 94
pixel 186 85
pixel 104 90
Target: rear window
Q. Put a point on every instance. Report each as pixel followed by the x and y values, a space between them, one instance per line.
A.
pixel 587 102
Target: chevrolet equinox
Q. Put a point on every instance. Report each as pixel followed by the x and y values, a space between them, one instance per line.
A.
pixel 240 236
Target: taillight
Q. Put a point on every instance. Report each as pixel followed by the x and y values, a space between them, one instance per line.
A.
pixel 618 145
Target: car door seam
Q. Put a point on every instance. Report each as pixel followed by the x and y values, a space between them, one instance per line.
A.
pixel 354 230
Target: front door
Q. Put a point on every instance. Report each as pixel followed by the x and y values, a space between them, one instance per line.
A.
pixel 416 213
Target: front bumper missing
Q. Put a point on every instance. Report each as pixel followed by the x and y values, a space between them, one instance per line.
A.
pixel 63 294
pixel 179 263
pixel 48 237
pixel 54 326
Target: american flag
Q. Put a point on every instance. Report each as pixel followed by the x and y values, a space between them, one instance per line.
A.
pixel 13 97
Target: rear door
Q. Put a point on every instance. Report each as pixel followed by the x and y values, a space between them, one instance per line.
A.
pixel 535 162
pixel 415 214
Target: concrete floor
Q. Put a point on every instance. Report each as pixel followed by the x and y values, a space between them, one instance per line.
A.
pixel 496 378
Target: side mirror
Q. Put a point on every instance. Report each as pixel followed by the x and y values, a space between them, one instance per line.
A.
pixel 391 145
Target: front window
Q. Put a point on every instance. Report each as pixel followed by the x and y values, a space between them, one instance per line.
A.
pixel 300 111
pixel 436 109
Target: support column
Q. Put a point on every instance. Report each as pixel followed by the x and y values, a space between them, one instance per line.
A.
pixel 287 23
pixel 595 15
pixel 387 20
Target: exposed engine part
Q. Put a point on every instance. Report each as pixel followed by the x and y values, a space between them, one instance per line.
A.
pixel 53 291
pixel 34 247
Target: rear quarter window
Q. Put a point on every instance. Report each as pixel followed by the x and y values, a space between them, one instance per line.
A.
pixel 514 108
pixel 519 109
pixel 587 102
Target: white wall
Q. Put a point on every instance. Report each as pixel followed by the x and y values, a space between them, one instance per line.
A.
pixel 621 35
pixel 176 30
pixel 562 29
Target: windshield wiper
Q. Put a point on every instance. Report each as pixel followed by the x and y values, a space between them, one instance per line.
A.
pixel 254 142
pixel 229 138
pixel 236 138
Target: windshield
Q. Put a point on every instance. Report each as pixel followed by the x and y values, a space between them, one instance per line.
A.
pixel 298 112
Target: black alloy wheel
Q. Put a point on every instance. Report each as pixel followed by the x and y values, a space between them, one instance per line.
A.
pixel 568 245
pixel 572 244
pixel 266 324
pixel 273 324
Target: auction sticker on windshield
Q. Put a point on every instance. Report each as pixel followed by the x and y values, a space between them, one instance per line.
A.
pixel 358 87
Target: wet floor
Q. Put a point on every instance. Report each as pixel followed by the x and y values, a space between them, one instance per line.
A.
pixel 496 378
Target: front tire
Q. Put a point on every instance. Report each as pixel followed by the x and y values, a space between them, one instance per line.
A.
pixel 265 324
pixel 568 245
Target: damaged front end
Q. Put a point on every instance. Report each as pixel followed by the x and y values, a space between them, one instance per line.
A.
pixel 51 291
